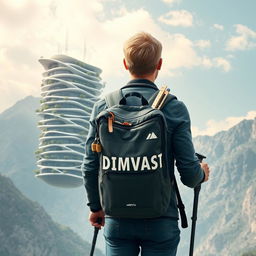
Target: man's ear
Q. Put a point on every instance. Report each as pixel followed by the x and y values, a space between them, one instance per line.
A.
pixel 125 65
pixel 159 64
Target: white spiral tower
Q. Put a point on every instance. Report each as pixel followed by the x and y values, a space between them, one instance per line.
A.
pixel 69 89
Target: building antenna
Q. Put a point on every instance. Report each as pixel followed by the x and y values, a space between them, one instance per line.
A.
pixel 58 48
pixel 84 53
pixel 66 42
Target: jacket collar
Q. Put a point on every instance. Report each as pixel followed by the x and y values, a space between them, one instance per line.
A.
pixel 141 83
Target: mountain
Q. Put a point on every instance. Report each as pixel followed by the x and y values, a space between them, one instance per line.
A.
pixel 18 142
pixel 18 136
pixel 226 224
pixel 26 229
pixel 227 210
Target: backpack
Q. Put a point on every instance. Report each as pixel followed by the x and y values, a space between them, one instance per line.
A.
pixel 134 175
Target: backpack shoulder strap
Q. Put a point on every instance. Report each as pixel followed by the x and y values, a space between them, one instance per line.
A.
pixel 113 98
pixel 181 207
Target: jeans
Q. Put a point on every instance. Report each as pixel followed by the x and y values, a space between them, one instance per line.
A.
pixel 150 237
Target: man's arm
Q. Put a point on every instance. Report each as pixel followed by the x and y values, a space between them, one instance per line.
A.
pixel 191 173
pixel 91 166
pixel 91 171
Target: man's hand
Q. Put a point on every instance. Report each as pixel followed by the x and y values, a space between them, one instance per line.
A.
pixel 95 216
pixel 206 170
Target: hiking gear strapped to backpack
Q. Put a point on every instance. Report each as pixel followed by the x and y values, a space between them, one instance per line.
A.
pixel 134 176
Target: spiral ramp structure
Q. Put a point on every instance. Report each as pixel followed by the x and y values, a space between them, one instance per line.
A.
pixel 69 89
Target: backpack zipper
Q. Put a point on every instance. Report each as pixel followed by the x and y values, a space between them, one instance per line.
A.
pixel 124 123
pixel 111 120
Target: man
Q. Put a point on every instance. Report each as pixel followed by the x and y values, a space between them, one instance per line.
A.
pixel 157 236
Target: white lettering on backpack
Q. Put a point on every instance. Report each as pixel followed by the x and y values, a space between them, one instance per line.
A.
pixel 132 163
pixel 160 160
pixel 113 163
pixel 131 205
pixel 145 163
pixel 123 164
pixel 154 162
pixel 135 165
pixel 105 163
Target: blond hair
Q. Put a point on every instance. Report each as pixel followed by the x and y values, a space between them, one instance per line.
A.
pixel 142 53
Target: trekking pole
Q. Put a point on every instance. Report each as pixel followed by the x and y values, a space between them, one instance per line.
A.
pixel 195 207
pixel 96 231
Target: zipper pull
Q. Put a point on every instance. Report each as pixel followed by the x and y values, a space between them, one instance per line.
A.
pixel 110 121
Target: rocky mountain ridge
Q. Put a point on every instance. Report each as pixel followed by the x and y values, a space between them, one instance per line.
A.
pixel 26 229
pixel 227 201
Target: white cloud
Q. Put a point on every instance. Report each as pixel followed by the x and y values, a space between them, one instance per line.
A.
pixel 30 29
pixel 37 28
pixel 217 62
pixel 171 1
pixel 181 18
pixel 213 126
pixel 222 63
pixel 230 56
pixel 207 62
pixel 218 26
pixel 203 44
pixel 179 52
pixel 245 39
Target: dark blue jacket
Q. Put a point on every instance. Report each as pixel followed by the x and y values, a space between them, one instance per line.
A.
pixel 179 141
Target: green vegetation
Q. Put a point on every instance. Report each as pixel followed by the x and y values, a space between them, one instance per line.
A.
pixel 36 171
pixel 51 142
pixel 42 108
pixel 38 152
pixel 250 253
pixel 82 96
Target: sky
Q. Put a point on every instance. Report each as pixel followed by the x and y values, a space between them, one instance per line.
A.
pixel 208 49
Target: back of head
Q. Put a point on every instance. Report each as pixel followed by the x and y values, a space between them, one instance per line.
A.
pixel 142 53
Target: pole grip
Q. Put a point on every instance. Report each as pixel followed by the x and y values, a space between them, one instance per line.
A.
pixel 200 157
